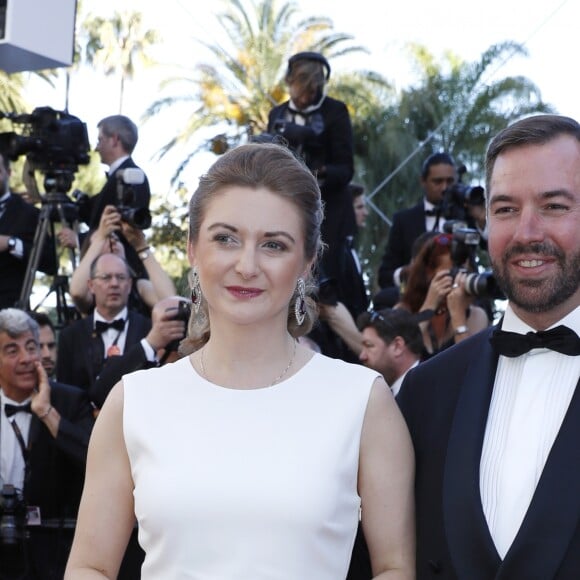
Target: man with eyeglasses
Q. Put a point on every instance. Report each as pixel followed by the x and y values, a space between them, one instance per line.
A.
pixel 44 433
pixel 86 344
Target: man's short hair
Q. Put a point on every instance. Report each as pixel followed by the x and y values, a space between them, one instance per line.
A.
pixel 355 190
pixel 392 322
pixel 42 319
pixel 534 130
pixel 441 158
pixel 123 127
pixel 15 322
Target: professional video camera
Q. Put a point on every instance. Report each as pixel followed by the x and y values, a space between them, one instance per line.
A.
pixel 53 141
pixel 458 197
pixel 464 244
pixel 139 217
pixel 13 514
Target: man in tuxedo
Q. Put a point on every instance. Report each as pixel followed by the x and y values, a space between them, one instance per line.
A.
pixel 495 420
pixel 116 141
pixel 437 174
pixel 44 434
pixel 169 323
pixel 86 345
pixel 18 223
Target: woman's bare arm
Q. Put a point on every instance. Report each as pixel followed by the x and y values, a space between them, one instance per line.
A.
pixel 106 516
pixel 386 484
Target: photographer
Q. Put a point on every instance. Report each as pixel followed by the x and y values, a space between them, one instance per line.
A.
pixel 116 141
pixel 437 284
pixel 438 173
pixel 44 434
pixel 152 282
pixel 318 128
pixel 18 223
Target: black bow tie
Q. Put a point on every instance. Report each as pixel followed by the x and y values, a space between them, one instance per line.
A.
pixel 561 339
pixel 101 326
pixel 12 409
pixel 432 212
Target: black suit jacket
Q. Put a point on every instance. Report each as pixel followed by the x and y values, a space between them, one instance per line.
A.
pixel 446 402
pixel 20 219
pixel 55 481
pixel 133 359
pixel 91 212
pixel 332 147
pixel 76 363
pixel 408 225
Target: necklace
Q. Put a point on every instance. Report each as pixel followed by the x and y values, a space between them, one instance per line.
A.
pixel 276 380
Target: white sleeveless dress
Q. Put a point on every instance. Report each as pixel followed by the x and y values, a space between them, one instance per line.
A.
pixel 256 484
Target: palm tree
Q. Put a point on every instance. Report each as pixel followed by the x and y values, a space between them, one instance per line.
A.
pixel 235 95
pixel 117 44
pixel 452 108
pixel 458 109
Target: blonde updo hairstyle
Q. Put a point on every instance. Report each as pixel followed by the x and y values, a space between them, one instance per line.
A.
pixel 275 168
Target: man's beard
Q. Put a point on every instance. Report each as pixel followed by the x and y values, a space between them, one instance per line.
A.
pixel 539 295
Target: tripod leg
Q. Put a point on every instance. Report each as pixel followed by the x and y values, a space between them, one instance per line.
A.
pixel 37 245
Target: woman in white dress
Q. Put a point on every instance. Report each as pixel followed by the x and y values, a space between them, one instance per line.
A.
pixel 252 457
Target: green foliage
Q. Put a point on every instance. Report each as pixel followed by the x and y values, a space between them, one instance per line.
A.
pixel 235 91
pixel 118 45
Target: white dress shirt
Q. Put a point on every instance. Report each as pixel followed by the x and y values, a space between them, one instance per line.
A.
pixel 111 335
pixel 530 398
pixel 11 458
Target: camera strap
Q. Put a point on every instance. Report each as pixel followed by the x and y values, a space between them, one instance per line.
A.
pixel 23 448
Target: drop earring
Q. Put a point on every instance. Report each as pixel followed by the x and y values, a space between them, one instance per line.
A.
pixel 195 291
pixel 300 304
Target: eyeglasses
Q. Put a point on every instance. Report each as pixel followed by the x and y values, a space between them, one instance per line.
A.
pixel 106 278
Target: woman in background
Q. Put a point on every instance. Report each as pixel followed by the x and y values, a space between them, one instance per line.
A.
pixel 436 285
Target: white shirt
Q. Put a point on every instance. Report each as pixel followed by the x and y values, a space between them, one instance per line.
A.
pixel 111 335
pixel 11 458
pixel 396 386
pixel 430 221
pixel 117 163
pixel 530 397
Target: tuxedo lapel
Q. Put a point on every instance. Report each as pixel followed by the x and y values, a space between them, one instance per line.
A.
pixel 470 544
pixel 554 513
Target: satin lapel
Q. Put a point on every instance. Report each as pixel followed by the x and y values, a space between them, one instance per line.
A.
pixel 554 513
pixel 472 550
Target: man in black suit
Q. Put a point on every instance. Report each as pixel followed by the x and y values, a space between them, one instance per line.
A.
pixel 437 174
pixel 494 424
pixel 44 434
pixel 85 345
pixel 116 141
pixel 169 319
pixel 319 129
pixel 18 224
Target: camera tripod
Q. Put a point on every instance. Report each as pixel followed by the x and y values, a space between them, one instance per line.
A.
pixel 56 207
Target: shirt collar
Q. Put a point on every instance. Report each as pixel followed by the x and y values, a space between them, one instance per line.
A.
pixel 123 314
pixel 117 163
pixel 513 323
